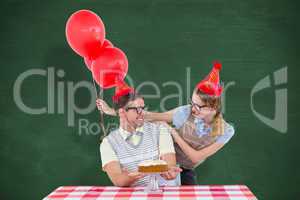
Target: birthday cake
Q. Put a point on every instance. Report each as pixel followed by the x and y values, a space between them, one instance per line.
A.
pixel 153 166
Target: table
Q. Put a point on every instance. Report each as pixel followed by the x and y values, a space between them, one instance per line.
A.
pixel 203 192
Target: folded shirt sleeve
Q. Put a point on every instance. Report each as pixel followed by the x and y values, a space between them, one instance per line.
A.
pixel 166 144
pixel 180 115
pixel 228 133
pixel 107 153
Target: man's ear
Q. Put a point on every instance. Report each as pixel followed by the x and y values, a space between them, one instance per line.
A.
pixel 120 111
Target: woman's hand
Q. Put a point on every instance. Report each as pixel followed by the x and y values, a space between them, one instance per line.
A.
pixel 104 107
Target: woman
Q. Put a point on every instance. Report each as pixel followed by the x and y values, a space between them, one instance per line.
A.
pixel 200 130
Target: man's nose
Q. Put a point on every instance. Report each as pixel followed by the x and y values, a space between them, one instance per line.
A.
pixel 142 113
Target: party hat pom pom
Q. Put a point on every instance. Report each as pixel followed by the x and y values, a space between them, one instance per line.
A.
pixel 217 65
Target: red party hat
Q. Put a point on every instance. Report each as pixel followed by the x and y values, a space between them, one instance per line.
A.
pixel 122 89
pixel 211 84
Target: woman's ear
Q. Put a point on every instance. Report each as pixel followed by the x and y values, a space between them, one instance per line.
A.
pixel 215 112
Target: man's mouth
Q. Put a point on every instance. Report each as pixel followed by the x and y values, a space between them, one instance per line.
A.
pixel 140 118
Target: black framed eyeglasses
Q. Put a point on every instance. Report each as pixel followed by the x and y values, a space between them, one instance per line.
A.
pixel 138 110
pixel 197 106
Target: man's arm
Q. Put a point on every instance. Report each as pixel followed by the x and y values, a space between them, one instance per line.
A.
pixel 170 158
pixel 173 169
pixel 119 177
pixel 110 164
pixel 167 152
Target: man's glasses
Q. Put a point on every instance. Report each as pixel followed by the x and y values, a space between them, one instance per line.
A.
pixel 197 106
pixel 138 110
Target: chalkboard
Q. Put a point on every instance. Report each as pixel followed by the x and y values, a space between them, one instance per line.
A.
pixel 168 43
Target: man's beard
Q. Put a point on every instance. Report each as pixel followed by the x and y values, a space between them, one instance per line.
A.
pixel 139 122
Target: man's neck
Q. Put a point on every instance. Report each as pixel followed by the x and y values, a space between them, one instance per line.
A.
pixel 127 127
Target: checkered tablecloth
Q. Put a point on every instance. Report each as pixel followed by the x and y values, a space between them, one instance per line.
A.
pixel 204 192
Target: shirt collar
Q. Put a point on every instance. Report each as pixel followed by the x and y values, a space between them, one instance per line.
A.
pixel 125 134
pixel 201 129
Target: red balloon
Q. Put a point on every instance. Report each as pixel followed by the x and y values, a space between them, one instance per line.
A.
pixel 110 68
pixel 88 63
pixel 85 33
pixel 107 43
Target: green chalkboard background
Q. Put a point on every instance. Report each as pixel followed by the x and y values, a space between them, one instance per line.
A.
pixel 161 39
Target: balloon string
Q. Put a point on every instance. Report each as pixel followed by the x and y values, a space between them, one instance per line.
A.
pixel 101 122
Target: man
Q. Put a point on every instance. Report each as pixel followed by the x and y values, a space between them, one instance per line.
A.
pixel 135 141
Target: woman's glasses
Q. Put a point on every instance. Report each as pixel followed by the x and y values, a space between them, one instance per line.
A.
pixel 197 106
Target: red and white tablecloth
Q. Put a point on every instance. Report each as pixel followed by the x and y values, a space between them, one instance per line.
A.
pixel 203 192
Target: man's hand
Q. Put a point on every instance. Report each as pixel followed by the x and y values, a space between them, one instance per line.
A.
pixel 135 176
pixel 171 173
pixel 104 107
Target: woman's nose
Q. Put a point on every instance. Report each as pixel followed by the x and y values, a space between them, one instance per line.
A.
pixel 194 110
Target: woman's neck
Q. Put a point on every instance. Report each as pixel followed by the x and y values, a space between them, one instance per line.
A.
pixel 209 121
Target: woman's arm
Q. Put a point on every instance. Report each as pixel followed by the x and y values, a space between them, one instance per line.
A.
pixel 164 116
pixel 149 116
pixel 195 155
pixel 104 107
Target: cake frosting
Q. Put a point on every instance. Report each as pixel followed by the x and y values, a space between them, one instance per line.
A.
pixel 152 162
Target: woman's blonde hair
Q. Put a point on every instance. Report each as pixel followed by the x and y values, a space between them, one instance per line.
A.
pixel 215 103
pixel 211 101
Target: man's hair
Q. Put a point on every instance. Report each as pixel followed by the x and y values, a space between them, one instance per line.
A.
pixel 211 101
pixel 124 100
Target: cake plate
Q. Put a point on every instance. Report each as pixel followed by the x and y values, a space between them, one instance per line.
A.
pixel 153 186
